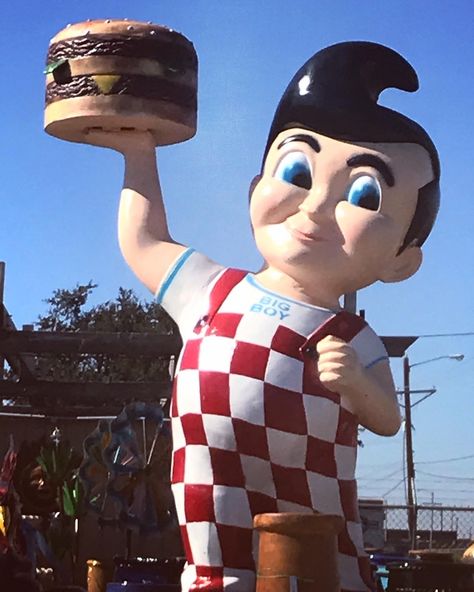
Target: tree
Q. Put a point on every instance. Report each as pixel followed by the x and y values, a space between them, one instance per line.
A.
pixel 68 311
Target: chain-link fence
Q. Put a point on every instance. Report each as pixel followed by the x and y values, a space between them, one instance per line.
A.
pixel 386 527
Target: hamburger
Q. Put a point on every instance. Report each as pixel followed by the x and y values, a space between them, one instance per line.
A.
pixel 121 75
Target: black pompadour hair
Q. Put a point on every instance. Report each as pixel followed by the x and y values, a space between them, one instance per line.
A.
pixel 335 93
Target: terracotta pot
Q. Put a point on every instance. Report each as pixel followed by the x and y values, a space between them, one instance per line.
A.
pixel 297 552
pixel 96 576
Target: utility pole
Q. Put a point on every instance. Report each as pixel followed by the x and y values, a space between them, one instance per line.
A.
pixel 411 491
pixel 409 453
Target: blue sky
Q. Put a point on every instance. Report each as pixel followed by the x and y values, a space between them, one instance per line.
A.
pixel 59 200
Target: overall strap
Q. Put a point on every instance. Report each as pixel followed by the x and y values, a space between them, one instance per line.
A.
pixel 221 289
pixel 344 325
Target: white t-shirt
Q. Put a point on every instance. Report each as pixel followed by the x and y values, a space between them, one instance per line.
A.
pixel 184 294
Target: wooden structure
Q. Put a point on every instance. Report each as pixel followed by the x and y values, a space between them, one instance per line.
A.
pixel 83 397
pixel 27 394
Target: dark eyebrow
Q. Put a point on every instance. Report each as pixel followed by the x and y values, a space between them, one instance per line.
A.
pixel 306 138
pixel 375 162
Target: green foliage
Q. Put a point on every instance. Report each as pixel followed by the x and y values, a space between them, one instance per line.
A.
pixel 58 462
pixel 69 311
pixel 73 497
pixel 66 309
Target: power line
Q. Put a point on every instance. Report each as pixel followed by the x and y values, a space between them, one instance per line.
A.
pixel 369 474
pixel 384 478
pixel 468 333
pixel 402 480
pixel 442 484
pixel 430 462
pixel 446 490
pixel 446 476
pixel 382 464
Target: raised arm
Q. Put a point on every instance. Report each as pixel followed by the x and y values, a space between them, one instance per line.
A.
pixel 143 233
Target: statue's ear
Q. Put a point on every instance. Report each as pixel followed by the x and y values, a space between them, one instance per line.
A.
pixel 403 265
pixel 253 184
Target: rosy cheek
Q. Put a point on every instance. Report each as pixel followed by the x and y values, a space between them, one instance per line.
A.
pixel 357 224
pixel 273 201
pixel 348 220
pixel 267 189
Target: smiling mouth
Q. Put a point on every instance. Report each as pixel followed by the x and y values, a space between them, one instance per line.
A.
pixel 305 236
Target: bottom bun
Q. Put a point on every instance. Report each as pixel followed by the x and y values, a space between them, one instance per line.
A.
pixel 71 119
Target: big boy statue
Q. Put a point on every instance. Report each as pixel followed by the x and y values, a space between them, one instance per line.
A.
pixel 274 378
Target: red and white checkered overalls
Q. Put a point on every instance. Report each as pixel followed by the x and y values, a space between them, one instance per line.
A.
pixel 257 432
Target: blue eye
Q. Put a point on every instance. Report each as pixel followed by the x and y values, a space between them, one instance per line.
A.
pixel 365 192
pixel 294 168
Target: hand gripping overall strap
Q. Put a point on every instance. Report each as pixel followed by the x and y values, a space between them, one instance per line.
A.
pixel 343 325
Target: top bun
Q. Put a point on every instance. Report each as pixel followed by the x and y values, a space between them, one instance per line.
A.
pixel 110 26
